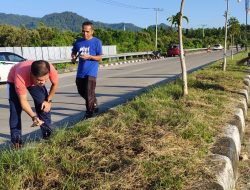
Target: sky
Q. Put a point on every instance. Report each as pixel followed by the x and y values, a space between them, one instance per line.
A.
pixel 201 13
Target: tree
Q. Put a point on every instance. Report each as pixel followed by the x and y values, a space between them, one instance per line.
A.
pixel 234 29
pixel 177 20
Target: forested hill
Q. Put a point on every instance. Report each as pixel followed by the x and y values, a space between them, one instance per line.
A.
pixel 162 25
pixel 19 20
pixel 63 21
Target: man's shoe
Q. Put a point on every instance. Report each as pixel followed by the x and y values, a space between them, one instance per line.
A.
pixel 46 131
pixel 46 135
pixel 17 144
pixel 88 115
pixel 96 109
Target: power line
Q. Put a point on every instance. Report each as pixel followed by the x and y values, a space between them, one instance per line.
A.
pixel 119 4
pixel 123 5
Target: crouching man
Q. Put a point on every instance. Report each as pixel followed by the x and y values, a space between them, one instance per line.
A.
pixel 31 76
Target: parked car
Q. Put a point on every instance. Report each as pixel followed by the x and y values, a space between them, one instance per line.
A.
pixel 7 60
pixel 173 50
pixel 218 47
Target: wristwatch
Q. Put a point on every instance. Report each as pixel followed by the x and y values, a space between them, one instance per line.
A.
pixel 49 101
pixel 34 118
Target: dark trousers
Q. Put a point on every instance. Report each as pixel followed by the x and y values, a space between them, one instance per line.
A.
pixel 39 94
pixel 86 88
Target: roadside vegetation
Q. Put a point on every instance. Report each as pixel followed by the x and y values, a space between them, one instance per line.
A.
pixel 65 66
pixel 126 41
pixel 159 140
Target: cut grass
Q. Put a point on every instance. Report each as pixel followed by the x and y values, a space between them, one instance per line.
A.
pixel 157 141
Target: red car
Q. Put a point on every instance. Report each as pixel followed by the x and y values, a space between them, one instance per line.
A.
pixel 173 50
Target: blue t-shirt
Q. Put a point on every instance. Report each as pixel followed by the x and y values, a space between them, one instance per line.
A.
pixel 92 47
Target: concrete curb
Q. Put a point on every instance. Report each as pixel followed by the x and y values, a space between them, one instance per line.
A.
pixel 126 62
pixel 72 69
pixel 222 164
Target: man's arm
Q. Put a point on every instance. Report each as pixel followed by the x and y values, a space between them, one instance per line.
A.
pixel 26 106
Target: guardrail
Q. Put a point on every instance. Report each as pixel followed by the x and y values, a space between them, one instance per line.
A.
pixel 63 54
pixel 124 56
pixel 195 49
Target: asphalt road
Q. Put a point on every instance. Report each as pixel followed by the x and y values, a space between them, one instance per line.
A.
pixel 116 84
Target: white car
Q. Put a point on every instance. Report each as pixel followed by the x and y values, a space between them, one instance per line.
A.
pixel 7 60
pixel 218 47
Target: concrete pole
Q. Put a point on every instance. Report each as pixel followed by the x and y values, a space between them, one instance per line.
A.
pixel 246 7
pixel 156 25
pixel 225 44
pixel 156 14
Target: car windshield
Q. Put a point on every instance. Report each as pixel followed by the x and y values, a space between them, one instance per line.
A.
pixel 2 57
pixel 6 56
pixel 15 58
pixel 174 46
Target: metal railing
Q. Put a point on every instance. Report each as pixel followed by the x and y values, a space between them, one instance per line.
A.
pixel 63 54
pixel 131 55
pixel 125 55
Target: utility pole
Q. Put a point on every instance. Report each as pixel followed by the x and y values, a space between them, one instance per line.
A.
pixel 203 33
pixel 246 7
pixel 156 25
pixel 225 44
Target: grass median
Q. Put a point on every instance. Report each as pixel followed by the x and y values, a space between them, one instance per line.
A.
pixel 159 140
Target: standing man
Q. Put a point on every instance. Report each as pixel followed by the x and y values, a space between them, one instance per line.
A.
pixel 89 49
pixel 31 76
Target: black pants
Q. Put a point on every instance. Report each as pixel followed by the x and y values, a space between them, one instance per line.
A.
pixel 39 94
pixel 86 88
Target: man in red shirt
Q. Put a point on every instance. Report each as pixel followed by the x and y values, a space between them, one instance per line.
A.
pixel 31 76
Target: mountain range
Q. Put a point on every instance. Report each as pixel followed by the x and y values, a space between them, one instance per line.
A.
pixel 63 21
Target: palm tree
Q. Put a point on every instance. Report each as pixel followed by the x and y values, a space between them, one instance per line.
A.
pixel 176 20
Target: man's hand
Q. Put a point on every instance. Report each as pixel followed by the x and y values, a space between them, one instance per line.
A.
pixel 86 56
pixel 73 58
pixel 36 122
pixel 46 106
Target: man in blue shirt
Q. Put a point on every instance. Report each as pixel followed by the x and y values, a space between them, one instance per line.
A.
pixel 89 49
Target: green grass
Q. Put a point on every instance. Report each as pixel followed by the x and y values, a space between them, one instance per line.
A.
pixel 60 66
pixel 159 140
